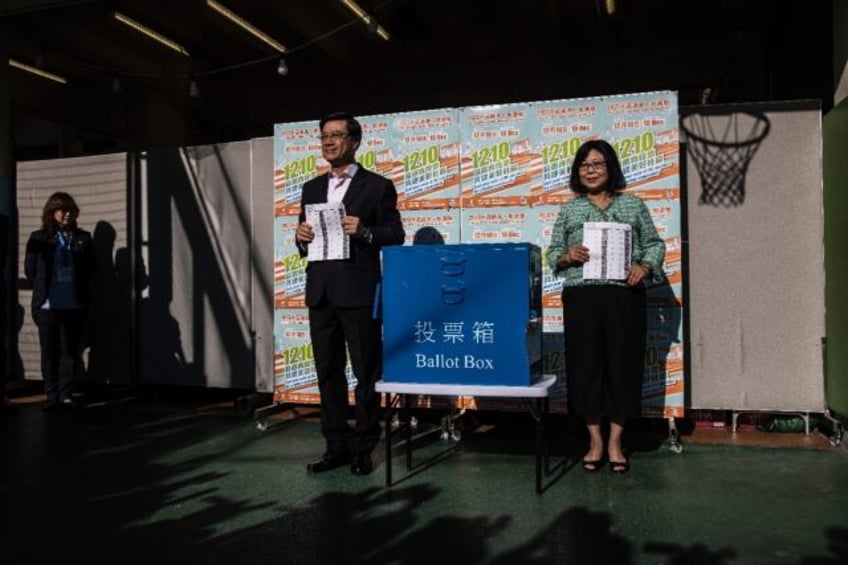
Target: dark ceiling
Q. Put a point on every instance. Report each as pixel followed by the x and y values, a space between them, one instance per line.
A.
pixel 441 53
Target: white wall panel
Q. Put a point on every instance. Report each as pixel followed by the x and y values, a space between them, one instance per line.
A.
pixel 756 272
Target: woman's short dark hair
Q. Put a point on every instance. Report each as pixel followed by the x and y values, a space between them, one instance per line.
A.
pixel 616 177
pixel 58 201
pixel 354 130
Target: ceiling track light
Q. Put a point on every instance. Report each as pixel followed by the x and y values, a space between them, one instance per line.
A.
pixel 367 18
pixel 193 91
pixel 37 72
pixel 282 68
pixel 154 35
pixel 246 26
pixel 116 86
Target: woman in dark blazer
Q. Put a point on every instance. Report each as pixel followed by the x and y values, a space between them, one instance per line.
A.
pixel 60 265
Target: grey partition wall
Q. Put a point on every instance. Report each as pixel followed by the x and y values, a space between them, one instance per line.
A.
pixel 756 256
pixel 198 309
pixel 99 186
pixel 262 187
pixel 195 316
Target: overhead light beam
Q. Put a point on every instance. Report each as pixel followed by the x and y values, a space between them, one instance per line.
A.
pixel 246 26
pixel 36 71
pixel 367 18
pixel 154 35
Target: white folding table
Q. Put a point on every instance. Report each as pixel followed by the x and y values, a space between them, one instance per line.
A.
pixel 535 397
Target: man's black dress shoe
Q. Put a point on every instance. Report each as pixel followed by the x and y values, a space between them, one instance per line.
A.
pixel 328 462
pixel 50 406
pixel 361 465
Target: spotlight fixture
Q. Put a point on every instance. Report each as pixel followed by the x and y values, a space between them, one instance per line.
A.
pixel 37 72
pixel 609 7
pixel 116 86
pixel 282 68
pixel 154 35
pixel 245 25
pixel 369 20
pixel 193 91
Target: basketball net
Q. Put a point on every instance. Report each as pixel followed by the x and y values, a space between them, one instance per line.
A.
pixel 722 146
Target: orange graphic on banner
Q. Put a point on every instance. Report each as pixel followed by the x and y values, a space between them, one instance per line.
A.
pixel 291 301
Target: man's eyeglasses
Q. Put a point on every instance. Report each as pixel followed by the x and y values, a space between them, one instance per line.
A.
pixel 593 165
pixel 335 136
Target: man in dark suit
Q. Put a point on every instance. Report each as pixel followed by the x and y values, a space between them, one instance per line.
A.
pixel 340 295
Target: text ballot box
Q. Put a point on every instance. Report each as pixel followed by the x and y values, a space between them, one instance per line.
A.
pixel 462 314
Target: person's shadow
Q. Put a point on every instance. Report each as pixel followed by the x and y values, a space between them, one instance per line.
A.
pixel 105 331
pixel 663 356
pixel 427 235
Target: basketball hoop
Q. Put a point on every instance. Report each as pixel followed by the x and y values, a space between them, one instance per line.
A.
pixel 722 146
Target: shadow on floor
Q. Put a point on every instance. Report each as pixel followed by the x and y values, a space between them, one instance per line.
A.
pixel 177 476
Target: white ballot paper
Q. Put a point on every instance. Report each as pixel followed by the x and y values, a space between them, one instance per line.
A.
pixel 330 240
pixel 610 248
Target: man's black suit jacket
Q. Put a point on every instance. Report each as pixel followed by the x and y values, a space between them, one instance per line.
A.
pixel 352 283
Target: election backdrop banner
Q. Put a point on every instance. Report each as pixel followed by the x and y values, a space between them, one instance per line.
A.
pixel 495 174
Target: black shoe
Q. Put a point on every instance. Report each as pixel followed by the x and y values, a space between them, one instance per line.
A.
pixel 361 465
pixel 50 406
pixel 6 406
pixel 328 462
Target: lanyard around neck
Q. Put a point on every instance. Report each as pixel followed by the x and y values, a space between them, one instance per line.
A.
pixel 64 242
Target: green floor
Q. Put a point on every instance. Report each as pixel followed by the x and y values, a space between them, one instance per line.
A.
pixel 152 480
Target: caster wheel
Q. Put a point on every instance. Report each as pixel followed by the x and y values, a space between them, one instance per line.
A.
pixel 261 425
pixel 455 435
pixel 676 448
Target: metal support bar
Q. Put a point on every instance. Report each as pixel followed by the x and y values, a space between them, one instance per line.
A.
pixel 674 436
pixel 838 428
pixel 260 415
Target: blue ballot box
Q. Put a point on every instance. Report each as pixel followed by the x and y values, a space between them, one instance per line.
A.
pixel 462 314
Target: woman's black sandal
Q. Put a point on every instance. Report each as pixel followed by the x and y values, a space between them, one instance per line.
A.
pixel 593 465
pixel 620 467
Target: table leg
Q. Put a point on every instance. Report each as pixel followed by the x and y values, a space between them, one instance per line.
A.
pixel 408 417
pixel 389 418
pixel 539 445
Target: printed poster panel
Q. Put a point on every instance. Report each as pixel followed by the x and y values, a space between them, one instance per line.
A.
pixel 502 224
pixel 663 392
pixel 428 226
pixel 297 159
pixel 295 380
pixel 376 150
pixel 561 126
pixel 289 266
pixel 425 163
pixel 545 216
pixel 499 167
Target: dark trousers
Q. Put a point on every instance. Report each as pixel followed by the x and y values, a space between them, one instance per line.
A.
pixel 60 334
pixel 334 330
pixel 605 332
